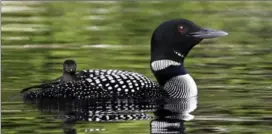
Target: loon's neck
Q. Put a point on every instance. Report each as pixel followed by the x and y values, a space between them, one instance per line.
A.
pixel 167 66
pixel 68 76
pixel 167 60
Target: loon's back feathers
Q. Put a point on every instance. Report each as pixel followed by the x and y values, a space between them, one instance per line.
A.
pixel 89 73
pixel 105 84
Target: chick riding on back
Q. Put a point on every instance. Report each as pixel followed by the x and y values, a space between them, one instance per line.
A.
pixel 69 74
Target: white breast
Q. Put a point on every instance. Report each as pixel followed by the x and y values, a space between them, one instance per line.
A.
pixel 182 86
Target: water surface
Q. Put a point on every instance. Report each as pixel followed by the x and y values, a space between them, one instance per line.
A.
pixel 233 98
pixel 233 74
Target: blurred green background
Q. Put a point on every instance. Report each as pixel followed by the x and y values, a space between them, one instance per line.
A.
pixel 233 73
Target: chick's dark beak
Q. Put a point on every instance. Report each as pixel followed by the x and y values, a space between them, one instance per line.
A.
pixel 208 33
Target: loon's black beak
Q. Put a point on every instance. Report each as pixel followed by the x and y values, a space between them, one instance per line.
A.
pixel 208 33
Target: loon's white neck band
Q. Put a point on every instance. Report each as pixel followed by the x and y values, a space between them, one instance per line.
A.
pixel 163 64
pixel 180 86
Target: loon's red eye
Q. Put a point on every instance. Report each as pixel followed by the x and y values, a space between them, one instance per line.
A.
pixel 181 29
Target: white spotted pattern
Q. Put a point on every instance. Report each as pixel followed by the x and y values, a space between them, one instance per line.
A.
pixel 105 84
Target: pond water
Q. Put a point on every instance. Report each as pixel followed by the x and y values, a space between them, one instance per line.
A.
pixel 233 74
pixel 234 91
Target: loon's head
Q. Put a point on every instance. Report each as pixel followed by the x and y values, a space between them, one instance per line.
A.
pixel 173 39
pixel 171 42
pixel 69 66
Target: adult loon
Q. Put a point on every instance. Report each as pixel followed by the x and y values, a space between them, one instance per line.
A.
pixel 170 44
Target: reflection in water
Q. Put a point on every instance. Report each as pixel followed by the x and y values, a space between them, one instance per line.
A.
pixel 178 108
pixel 170 114
pixel 95 110
pixel 166 126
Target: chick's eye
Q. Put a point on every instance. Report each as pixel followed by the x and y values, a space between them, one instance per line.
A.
pixel 181 29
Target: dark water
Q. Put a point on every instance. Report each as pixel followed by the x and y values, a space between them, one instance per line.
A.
pixel 234 95
pixel 233 74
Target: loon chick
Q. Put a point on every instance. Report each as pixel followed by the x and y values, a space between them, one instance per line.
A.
pixel 69 71
pixel 171 42
pixel 68 74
